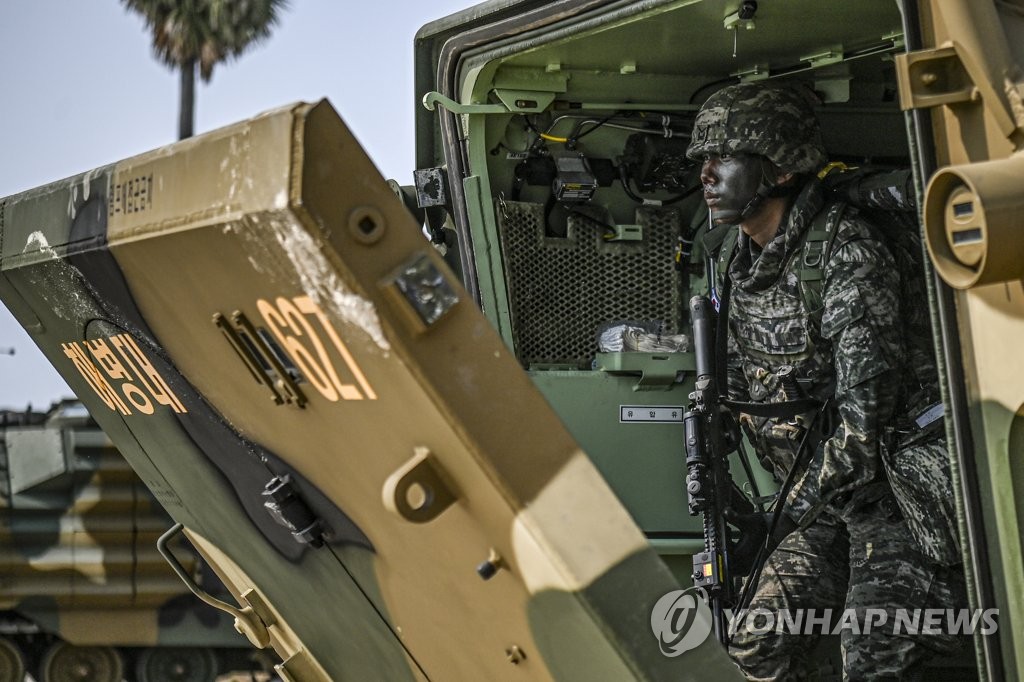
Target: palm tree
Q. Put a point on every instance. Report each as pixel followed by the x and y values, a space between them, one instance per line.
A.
pixel 187 33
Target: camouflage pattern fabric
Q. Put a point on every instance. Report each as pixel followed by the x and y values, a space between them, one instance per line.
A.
pixel 920 380
pixel 920 477
pixel 917 465
pixel 871 188
pixel 855 354
pixel 859 558
pixel 854 546
pixel 887 200
pixel 774 121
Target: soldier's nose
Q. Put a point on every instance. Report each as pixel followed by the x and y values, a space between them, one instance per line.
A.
pixel 708 172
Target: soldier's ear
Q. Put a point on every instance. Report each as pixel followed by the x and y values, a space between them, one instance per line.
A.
pixel 783 178
pixel 770 170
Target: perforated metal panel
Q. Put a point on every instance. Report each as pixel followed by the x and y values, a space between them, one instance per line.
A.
pixel 562 290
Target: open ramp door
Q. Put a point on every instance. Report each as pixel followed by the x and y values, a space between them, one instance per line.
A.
pixel 261 328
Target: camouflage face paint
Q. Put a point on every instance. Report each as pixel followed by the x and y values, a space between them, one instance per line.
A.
pixel 730 183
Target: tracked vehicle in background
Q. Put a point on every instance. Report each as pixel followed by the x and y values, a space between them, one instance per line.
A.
pixel 84 593
pixel 390 417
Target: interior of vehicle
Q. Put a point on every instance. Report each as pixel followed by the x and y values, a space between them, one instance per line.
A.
pixel 578 221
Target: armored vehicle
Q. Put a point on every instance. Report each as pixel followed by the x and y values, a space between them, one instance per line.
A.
pixel 85 594
pixel 435 431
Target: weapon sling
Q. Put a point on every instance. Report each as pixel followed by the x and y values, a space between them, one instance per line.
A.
pixel 789 408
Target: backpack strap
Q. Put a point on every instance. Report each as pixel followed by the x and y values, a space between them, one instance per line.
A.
pixel 719 245
pixel 817 248
pixel 722 291
pixel 725 253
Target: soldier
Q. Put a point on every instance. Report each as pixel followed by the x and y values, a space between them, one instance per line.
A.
pixel 842 541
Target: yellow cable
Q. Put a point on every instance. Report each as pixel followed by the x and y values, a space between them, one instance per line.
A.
pixel 834 165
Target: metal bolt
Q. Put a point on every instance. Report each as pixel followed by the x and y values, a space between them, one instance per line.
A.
pixel 367 225
pixel 489 567
pixel 486 570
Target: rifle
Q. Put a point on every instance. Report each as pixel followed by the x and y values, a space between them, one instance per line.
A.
pixel 711 435
pixel 708 482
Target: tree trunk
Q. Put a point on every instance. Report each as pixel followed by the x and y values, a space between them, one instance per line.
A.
pixel 186 114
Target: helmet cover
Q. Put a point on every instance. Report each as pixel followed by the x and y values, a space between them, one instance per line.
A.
pixel 772 120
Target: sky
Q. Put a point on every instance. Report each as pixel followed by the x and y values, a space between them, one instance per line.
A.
pixel 81 88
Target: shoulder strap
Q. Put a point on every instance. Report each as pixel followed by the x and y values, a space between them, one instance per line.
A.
pixel 817 248
pixel 720 275
pixel 726 252
pixel 719 248
pixel 719 245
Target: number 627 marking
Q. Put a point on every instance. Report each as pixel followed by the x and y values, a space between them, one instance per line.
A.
pixel 291 323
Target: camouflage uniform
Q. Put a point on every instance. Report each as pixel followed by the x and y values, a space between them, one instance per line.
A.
pixel 853 548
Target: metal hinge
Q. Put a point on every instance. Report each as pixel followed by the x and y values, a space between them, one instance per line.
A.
pixel 433 98
pixel 948 75
pixel 252 621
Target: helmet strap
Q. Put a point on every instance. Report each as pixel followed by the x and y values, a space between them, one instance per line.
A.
pixel 735 217
pixel 765 189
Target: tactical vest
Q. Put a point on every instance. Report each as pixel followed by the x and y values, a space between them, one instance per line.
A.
pixel 898 231
pixel 786 367
pixel 914 457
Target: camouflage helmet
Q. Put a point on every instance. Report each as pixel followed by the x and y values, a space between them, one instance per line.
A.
pixel 771 120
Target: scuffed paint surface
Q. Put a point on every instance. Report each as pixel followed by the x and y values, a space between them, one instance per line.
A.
pixel 316 275
pixel 237 154
pixel 55 282
pixel 37 242
pixel 322 284
pixel 79 191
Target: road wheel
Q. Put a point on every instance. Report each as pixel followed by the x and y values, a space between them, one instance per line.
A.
pixel 64 662
pixel 12 662
pixel 174 664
